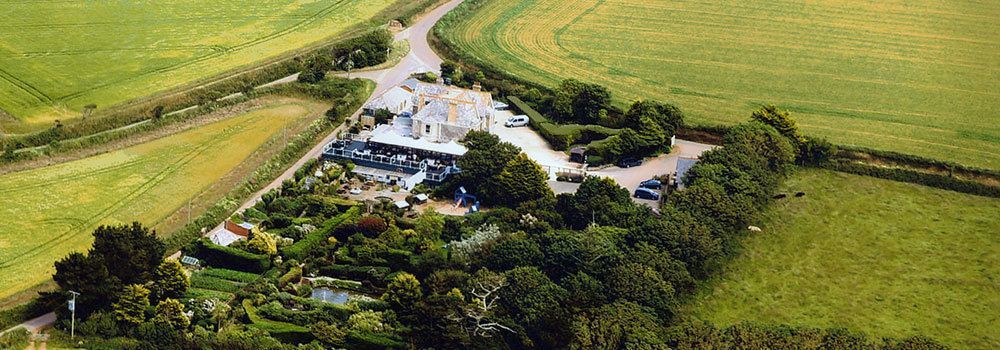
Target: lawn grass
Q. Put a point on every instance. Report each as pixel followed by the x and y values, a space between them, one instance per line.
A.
pixel 883 257
pixel 58 56
pixel 46 213
pixel 916 77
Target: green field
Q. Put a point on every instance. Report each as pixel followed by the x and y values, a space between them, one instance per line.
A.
pixel 917 77
pixel 49 212
pixel 58 56
pixel 883 257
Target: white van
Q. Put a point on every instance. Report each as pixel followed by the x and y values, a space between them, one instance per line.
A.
pixel 516 121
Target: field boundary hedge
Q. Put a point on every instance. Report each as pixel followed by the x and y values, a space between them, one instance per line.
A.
pixel 915 169
pixel 916 177
pixel 238 80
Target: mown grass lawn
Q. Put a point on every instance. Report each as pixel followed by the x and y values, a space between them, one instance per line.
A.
pixel 917 77
pixel 883 257
pixel 58 56
pixel 46 213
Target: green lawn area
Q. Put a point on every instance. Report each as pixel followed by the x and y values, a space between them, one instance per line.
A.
pixel 883 257
pixel 48 212
pixel 58 56
pixel 917 77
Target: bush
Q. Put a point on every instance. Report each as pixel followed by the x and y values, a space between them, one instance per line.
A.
pixel 372 226
pixel 398 259
pixel 99 324
pixel 230 258
pixel 15 339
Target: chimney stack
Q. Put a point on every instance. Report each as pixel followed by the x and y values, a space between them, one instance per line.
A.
pixel 439 81
pixel 477 87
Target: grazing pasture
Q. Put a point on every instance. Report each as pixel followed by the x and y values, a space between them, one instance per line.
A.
pixel 917 77
pixel 883 257
pixel 46 213
pixel 58 56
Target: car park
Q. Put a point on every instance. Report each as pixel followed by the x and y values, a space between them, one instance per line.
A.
pixel 516 121
pixel 652 184
pixel 645 193
pixel 629 162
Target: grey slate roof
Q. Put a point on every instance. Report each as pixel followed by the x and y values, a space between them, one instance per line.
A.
pixel 683 165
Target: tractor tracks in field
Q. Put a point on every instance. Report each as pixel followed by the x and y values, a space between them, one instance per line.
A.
pixel 215 54
pixel 82 224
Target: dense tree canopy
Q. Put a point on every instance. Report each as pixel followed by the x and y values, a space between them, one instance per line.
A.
pixel 579 102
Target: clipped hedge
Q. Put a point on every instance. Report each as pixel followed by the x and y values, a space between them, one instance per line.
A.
pixel 198 293
pixel 293 275
pixel 214 283
pixel 230 258
pixel 561 136
pixel 231 275
pixel 274 311
pixel 300 250
pixel 904 175
pixel 283 331
pixel 375 274
pixel 358 340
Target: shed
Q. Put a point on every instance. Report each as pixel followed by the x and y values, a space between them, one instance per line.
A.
pixel 578 154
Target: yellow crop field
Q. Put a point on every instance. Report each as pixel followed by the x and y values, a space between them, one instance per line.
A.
pixel 49 212
pixel 58 56
pixel 917 77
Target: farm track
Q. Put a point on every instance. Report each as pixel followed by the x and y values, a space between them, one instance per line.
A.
pixel 25 86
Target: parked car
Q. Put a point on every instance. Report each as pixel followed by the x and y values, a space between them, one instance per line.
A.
pixel 516 121
pixel 645 193
pixel 652 184
pixel 629 162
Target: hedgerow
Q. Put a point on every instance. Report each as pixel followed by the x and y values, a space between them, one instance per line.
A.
pixel 561 136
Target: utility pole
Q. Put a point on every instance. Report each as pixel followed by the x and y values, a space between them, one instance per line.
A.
pixel 72 307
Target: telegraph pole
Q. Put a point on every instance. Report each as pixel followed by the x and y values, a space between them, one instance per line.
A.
pixel 72 307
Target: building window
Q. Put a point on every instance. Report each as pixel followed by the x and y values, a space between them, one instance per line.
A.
pixel 427 129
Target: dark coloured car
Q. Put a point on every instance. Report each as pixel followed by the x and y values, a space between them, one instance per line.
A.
pixel 652 184
pixel 645 193
pixel 629 162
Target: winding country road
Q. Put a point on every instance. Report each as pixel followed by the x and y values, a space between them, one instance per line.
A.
pixel 421 58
